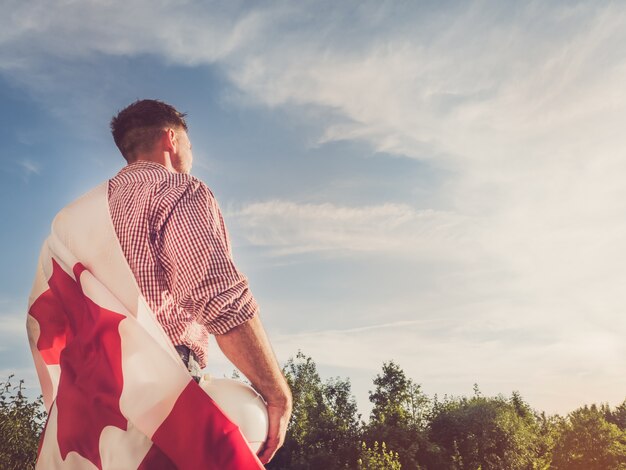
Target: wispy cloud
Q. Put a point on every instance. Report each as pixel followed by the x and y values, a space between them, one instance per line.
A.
pixel 444 354
pixel 286 228
pixel 193 34
pixel 29 167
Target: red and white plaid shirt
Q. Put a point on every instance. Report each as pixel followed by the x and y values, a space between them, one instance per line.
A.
pixel 173 235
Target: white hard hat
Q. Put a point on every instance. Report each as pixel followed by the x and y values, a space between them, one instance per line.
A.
pixel 243 406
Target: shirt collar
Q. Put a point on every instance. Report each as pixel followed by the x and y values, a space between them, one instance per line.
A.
pixel 145 165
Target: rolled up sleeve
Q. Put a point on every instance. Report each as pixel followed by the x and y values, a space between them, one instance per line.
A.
pixel 197 262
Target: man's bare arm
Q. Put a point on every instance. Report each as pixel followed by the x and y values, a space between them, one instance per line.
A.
pixel 249 349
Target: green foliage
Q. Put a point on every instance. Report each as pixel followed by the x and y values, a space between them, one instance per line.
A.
pixel 485 433
pixel 459 433
pixel 406 429
pixel 324 431
pixel 397 399
pixel 21 422
pixel 616 416
pixel 588 441
pixel 548 433
pixel 399 415
pixel 376 458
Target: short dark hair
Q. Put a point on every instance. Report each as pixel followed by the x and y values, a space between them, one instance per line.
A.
pixel 137 127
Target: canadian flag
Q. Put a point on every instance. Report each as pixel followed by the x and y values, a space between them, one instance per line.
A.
pixel 117 394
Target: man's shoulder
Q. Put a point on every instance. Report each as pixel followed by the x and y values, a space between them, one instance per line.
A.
pixel 190 198
pixel 147 172
pixel 181 186
pixel 158 181
pixel 158 187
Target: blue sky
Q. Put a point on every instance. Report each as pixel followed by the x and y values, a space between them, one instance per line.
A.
pixel 437 183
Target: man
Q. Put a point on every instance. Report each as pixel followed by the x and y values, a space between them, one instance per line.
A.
pixel 174 238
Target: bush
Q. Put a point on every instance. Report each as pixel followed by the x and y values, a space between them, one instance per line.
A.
pixel 377 458
pixel 21 423
pixel 589 442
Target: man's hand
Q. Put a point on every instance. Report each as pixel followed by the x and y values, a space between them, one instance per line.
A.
pixel 278 420
pixel 248 348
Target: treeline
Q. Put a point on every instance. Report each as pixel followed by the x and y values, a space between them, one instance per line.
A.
pixel 405 430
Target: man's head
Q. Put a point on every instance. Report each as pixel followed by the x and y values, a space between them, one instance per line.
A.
pixel 148 128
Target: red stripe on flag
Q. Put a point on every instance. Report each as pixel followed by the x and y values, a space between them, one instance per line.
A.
pixel 197 434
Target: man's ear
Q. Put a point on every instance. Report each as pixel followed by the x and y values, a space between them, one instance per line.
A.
pixel 169 140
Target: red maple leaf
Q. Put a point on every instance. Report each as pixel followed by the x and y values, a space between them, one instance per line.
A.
pixel 84 339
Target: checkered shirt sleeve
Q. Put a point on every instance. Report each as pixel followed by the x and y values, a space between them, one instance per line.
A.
pixel 195 254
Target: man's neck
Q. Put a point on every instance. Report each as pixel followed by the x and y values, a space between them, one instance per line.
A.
pixel 161 159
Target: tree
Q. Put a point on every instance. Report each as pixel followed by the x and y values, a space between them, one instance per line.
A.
pixel 21 422
pixel 343 419
pixel 588 441
pixel 397 399
pixel 485 433
pixel 548 431
pixel 399 414
pixel 616 416
pixel 324 431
